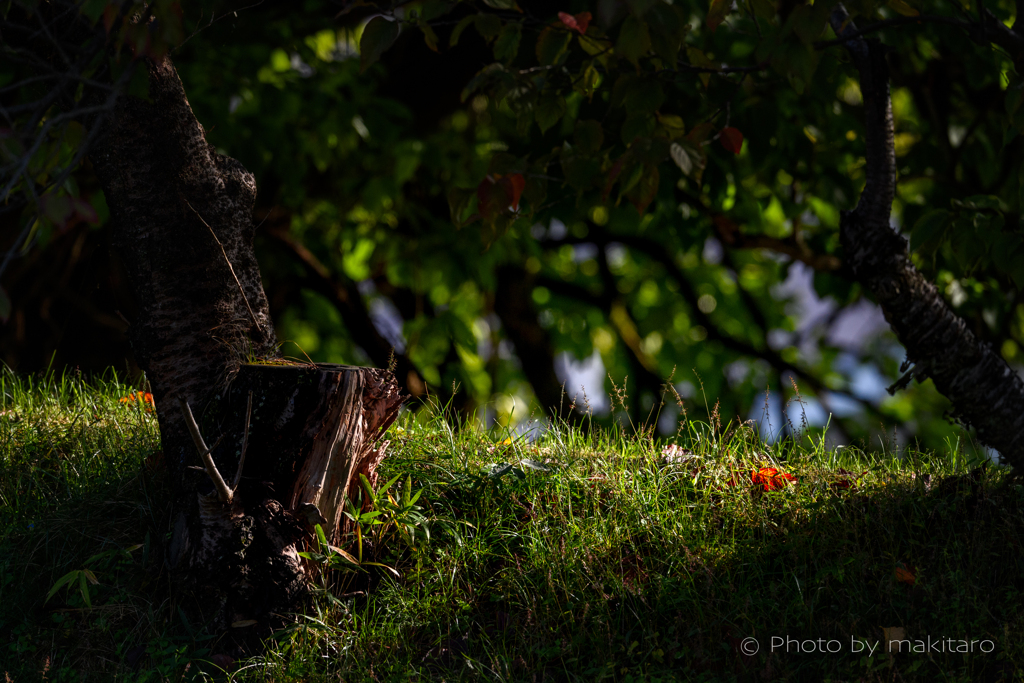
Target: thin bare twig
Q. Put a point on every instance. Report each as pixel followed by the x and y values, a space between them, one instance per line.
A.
pixel 225 494
pixel 245 444
pixel 230 267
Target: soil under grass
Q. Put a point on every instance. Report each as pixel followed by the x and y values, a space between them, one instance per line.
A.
pixel 601 556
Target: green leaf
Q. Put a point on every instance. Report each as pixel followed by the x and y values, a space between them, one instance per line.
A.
pixel 903 8
pixel 978 201
pixel 415 497
pixel 631 181
pixel 673 125
pixel 65 580
pixel 93 9
pixel 551 43
pixel 536 190
pixel 588 136
pixel 503 4
pixel 384 566
pixel 367 487
pixel 579 171
pixel 698 58
pixel 320 535
pixel 550 108
pixel 491 72
pixel 507 46
pixel 343 554
pixel 1006 251
pixel 645 97
pixel 591 45
pixel 488 26
pixel 667 30
pixel 458 330
pixel 391 482
pixel 621 88
pixel 637 126
pixel 641 7
pixel 459 201
pixel 797 62
pixel 429 36
pixel 453 40
pixel 634 40
pixel 808 21
pixel 765 9
pixel 929 228
pixel 432 9
pixel 717 12
pixel 83 588
pixel 378 35
pixel 967 248
pixel 588 82
pixel 1020 192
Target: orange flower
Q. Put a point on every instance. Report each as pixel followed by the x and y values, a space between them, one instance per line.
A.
pixel 141 396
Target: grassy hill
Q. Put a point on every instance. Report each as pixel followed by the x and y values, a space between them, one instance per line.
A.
pixel 601 556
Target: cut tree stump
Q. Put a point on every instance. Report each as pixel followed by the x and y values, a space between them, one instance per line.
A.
pixel 313 429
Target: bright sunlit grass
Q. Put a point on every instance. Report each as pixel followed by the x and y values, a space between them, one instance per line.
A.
pixel 600 556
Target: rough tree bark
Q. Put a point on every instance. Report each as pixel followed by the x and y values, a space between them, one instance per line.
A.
pixel 985 392
pixel 184 229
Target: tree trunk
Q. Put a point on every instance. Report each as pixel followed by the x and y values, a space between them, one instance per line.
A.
pixel 183 225
pixel 986 393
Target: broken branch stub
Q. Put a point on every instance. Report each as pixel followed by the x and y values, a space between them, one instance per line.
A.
pixel 223 492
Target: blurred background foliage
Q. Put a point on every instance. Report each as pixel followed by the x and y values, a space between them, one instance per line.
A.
pixel 642 196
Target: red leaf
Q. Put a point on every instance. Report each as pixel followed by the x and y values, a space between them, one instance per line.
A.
pixel 613 175
pixel 731 139
pixel 496 193
pixel 515 184
pixel 717 13
pixel 643 194
pixel 583 20
pixel 906 574
pixel 580 22
pixel 771 479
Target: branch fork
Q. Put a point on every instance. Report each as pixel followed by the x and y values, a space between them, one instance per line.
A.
pixel 225 493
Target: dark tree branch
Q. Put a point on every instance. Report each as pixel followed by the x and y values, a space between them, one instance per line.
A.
pixel 658 253
pixel 888 23
pixel 730 234
pixel 825 263
pixel 986 393
pixel 645 368
pixel 986 30
pixel 345 297
pixel 513 306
